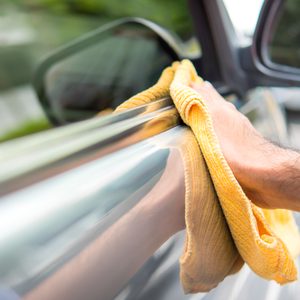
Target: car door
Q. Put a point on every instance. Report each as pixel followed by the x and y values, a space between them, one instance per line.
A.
pixel 78 202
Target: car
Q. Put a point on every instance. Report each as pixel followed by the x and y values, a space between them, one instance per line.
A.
pixel 76 209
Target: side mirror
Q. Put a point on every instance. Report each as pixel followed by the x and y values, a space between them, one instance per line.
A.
pixel 104 68
pixel 283 45
pixel 276 45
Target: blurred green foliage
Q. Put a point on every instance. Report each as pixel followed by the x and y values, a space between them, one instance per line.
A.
pixel 15 66
pixel 169 13
pixel 50 30
pixel 26 128
pixel 55 22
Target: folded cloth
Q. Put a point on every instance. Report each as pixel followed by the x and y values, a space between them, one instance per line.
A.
pixel 210 253
pixel 267 240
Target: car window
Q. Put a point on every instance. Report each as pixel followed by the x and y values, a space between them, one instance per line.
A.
pixel 31 29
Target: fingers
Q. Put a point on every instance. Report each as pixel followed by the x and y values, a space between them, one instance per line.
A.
pixel 210 94
pixel 207 91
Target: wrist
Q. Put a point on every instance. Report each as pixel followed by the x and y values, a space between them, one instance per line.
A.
pixel 267 179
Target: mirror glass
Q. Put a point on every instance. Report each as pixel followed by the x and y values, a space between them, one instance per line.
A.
pixel 99 73
pixel 284 42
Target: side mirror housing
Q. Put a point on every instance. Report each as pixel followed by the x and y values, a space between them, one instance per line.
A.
pixel 103 68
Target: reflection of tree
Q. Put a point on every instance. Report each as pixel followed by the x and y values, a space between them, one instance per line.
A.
pixel 285 45
pixel 170 13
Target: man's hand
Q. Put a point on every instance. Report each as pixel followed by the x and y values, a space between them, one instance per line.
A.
pixel 269 175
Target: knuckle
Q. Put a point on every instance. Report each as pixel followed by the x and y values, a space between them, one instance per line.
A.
pixel 231 105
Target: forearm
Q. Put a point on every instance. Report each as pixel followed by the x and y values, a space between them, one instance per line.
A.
pixel 269 175
pixel 275 178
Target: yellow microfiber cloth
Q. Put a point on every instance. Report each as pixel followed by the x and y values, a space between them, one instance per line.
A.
pixel 210 253
pixel 267 240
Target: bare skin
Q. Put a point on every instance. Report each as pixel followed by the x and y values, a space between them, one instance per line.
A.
pixel 269 174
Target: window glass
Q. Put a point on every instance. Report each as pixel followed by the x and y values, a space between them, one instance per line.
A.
pixel 119 63
pixel 284 45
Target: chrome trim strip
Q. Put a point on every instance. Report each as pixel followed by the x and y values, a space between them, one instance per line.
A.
pixel 29 160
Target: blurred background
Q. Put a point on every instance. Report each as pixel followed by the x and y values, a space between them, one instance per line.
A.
pixel 29 29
